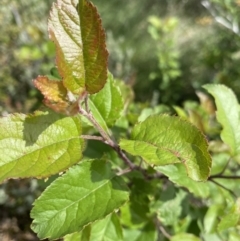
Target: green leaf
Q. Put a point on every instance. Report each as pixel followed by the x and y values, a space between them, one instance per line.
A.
pixel 88 192
pixel 162 140
pixel 170 211
pixel 227 115
pixel 211 218
pixel 38 145
pixel 107 104
pixel 147 233
pixel 73 237
pixel 146 112
pixel 177 174
pixel 185 237
pixel 107 229
pixel 231 219
pixel 80 45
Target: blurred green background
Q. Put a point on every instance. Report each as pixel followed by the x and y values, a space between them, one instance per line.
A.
pixel 165 49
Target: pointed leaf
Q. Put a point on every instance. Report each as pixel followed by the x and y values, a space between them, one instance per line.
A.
pixel 86 193
pixel 211 218
pixel 107 104
pixel 177 174
pixel 162 140
pixel 228 115
pixel 38 145
pixel 80 45
pixel 56 95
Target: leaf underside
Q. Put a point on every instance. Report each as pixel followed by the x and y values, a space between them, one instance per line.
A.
pixel 162 140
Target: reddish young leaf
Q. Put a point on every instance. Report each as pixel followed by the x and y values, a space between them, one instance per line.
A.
pixel 56 95
pixel 80 44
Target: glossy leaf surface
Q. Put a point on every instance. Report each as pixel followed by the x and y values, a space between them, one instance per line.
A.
pixel 88 192
pixel 162 140
pixel 228 115
pixel 38 145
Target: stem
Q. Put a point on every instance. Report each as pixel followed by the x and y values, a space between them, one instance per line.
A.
pixel 124 157
pixel 223 170
pixel 90 117
pixel 223 177
pixel 122 172
pixel 88 137
pixel 105 136
pixel 162 229
pixel 227 189
pixel 86 104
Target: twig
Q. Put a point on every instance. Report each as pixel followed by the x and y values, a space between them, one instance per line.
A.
pixel 86 104
pixel 122 172
pixel 162 229
pixel 90 117
pixel 223 170
pixel 223 177
pixel 220 176
pixel 105 137
pixel 97 138
pixel 124 157
pixel 227 189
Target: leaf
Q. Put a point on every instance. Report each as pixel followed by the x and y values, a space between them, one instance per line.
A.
pixel 107 229
pixel 181 112
pixel 185 237
pixel 146 112
pixel 147 233
pixel 77 32
pixel 177 174
pixel 169 212
pixel 88 192
pixel 107 104
pixel 126 92
pixel 227 115
pixel 73 237
pixel 162 140
pixel 211 218
pixel 38 145
pixel 231 219
pixel 56 95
